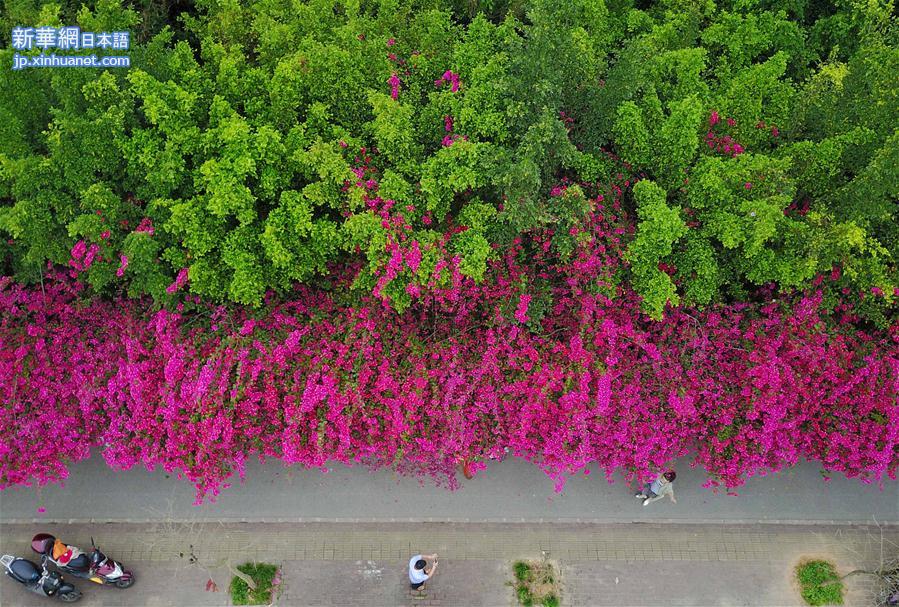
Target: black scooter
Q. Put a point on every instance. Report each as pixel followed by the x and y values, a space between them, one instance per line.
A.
pixel 39 581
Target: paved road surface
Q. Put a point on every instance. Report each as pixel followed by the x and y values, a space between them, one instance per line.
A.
pixel 510 491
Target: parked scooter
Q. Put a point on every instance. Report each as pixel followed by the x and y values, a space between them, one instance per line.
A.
pixel 96 566
pixel 39 581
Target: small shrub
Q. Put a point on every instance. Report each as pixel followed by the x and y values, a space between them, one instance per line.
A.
pixel 524 596
pixel 820 583
pixel 263 575
pixel 521 570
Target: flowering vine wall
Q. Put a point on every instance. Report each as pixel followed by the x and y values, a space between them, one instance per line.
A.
pixel 740 389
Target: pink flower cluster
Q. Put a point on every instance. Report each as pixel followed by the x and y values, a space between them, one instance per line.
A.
pixel 180 281
pixel 394 82
pixel 83 256
pixel 724 144
pixel 123 263
pixel 400 64
pixel 521 312
pixel 145 225
pixel 451 77
pixel 451 137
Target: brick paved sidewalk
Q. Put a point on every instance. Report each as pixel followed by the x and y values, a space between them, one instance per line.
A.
pixel 364 564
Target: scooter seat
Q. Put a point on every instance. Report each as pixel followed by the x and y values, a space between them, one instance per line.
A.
pixel 25 571
pixel 79 563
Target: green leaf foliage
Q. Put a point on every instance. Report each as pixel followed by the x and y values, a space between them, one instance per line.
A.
pixel 660 227
pixel 258 144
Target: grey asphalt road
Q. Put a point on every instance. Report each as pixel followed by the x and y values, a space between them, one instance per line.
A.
pixel 509 491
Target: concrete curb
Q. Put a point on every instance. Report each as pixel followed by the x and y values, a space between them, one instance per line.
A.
pixel 430 520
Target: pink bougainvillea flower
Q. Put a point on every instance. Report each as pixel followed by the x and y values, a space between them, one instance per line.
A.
pixel 724 143
pixel 79 250
pixel 394 82
pixel 449 140
pixel 521 312
pixel 145 225
pixel 123 263
pixel 413 256
pixel 92 253
pixel 180 281
pixel 451 77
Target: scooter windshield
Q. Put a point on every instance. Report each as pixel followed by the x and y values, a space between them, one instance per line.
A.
pixel 97 557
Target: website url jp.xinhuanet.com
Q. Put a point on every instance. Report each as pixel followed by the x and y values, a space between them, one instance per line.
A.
pixel 54 60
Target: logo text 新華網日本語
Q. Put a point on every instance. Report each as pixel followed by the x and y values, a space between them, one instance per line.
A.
pixel 68 38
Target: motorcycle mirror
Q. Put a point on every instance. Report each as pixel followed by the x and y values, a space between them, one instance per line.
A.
pixel 93 545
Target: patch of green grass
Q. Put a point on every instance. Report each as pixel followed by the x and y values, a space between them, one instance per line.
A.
pixel 551 601
pixel 263 575
pixel 524 596
pixel 521 570
pixel 820 583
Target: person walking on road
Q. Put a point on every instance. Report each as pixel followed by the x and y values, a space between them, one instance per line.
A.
pixel 421 569
pixel 663 485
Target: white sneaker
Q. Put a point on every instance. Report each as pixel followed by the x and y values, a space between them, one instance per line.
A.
pixel 639 496
pixel 646 501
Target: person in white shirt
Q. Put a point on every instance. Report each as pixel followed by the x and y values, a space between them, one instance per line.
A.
pixel 421 569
